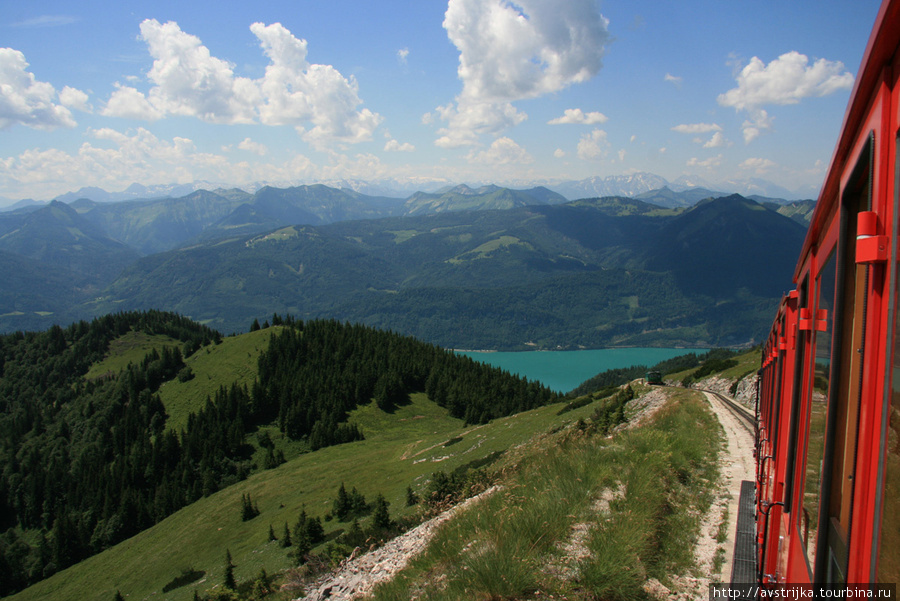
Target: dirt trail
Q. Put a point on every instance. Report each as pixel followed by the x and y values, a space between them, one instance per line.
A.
pixel 357 576
pixel 736 465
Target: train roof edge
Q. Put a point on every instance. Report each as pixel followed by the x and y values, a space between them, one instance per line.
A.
pixel 879 51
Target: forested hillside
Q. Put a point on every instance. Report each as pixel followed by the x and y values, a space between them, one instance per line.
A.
pixel 591 273
pixel 90 461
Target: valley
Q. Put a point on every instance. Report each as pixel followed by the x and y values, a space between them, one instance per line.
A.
pixel 167 421
pixel 407 449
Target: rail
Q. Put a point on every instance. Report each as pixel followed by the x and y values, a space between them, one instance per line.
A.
pixel 748 420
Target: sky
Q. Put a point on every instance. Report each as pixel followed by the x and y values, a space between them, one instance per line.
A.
pixel 108 94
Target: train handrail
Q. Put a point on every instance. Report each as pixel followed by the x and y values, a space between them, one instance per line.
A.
pixel 765 540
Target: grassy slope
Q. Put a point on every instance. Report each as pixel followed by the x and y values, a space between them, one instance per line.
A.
pixel 747 362
pixel 400 450
pixel 130 348
pixel 655 479
pixel 232 361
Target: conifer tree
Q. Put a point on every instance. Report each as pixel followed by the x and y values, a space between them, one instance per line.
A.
pixel 381 519
pixel 411 497
pixel 286 537
pixel 272 534
pixel 341 505
pixel 229 582
pixel 314 530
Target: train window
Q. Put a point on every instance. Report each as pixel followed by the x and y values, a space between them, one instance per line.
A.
pixel 815 437
pixel 790 468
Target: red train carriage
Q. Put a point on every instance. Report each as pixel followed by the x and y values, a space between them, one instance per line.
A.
pixel 828 450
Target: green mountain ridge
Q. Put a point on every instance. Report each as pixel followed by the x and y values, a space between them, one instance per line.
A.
pixel 94 454
pixel 520 268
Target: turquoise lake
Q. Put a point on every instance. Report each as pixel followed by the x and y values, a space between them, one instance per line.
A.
pixel 564 370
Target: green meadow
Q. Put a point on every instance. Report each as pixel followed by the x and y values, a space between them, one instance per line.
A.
pixel 402 449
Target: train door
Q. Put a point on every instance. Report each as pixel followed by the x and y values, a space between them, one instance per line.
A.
pixel 845 394
pixel 807 521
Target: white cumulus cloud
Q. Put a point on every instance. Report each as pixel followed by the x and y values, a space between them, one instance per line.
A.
pixel 593 146
pixel 579 117
pixel 128 103
pixel 26 101
pixel 395 146
pixel 297 91
pixel 186 79
pixel 74 98
pixel 786 80
pixel 254 147
pixel 716 141
pixel 513 51
pixel 112 159
pixel 189 81
pixel 467 122
pixel 503 151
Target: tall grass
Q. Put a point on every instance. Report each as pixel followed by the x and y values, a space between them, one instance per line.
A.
pixel 668 470
pixel 502 547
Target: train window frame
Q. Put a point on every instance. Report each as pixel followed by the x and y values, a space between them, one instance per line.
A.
pixel 810 526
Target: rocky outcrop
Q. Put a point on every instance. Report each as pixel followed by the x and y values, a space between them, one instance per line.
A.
pixel 357 576
pixel 745 393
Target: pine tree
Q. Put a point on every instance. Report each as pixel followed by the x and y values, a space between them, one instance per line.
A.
pixel 229 582
pixel 314 530
pixel 381 519
pixel 286 537
pixel 272 534
pixel 341 506
pixel 248 509
pixel 411 497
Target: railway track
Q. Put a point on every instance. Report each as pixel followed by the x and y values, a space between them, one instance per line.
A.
pixel 744 416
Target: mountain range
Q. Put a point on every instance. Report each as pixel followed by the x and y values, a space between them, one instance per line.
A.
pixel 615 185
pixel 485 267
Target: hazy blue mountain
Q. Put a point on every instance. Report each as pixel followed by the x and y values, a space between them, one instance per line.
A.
pixel 58 236
pixel 464 198
pixel 592 273
pixel 615 185
pixel 667 197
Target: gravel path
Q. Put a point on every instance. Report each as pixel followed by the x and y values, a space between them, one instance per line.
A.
pixel 736 465
pixel 357 576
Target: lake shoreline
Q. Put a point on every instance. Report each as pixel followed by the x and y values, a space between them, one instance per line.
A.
pixel 565 370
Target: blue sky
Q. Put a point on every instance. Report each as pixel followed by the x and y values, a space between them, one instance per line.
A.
pixel 109 93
